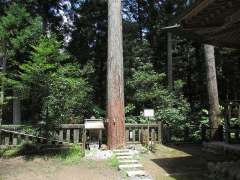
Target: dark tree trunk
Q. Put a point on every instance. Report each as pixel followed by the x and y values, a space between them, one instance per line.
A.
pixel 115 81
pixel 16 108
pixel 140 21
pixel 214 111
pixel 3 70
pixel 170 64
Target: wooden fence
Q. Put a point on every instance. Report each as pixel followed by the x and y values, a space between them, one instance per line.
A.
pixel 147 133
pixel 12 135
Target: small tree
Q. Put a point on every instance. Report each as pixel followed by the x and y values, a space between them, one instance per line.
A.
pixel 59 90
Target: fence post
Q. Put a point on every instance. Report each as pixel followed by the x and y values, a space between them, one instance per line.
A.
pixel 220 132
pixel 127 135
pixel 160 130
pixel 84 141
pixel 203 132
pixel 76 135
pixel 133 134
pixel 186 134
pixel 68 135
pixel 237 132
pixel 60 137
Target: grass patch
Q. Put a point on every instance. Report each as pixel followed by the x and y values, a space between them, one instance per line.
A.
pixel 113 161
pixel 10 152
pixel 70 156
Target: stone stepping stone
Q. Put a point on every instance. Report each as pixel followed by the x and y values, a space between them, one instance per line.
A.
pixel 124 157
pixel 124 154
pixel 133 173
pixel 120 150
pixel 128 161
pixel 129 166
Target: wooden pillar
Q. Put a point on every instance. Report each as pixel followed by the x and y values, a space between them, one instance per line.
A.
pixel 214 111
pixel 170 63
pixel 160 131
pixel 100 138
pixel 115 81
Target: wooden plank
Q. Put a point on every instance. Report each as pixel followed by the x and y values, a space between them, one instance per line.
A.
pixel 140 125
pixel 76 135
pixel 68 135
pixel 72 126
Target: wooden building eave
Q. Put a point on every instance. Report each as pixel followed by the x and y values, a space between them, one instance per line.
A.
pixel 216 22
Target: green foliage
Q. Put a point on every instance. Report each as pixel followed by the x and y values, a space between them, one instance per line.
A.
pixel 58 87
pixel 17 30
pixel 9 152
pixel 146 89
pixel 68 100
pixel 113 161
pixel 73 155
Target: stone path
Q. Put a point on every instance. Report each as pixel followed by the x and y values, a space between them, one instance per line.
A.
pixel 130 165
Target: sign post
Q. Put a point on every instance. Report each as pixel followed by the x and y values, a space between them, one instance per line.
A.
pixel 148 113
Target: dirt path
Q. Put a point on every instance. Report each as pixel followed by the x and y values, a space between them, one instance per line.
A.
pixel 48 169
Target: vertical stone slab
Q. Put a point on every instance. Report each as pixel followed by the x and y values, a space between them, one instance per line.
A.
pixel 7 140
pixel 68 135
pixel 127 135
pixel 134 136
pixel 60 136
pixel 15 140
pixel 139 135
pixel 76 135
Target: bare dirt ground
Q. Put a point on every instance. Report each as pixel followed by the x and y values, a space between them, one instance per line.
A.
pixel 185 162
pixel 49 169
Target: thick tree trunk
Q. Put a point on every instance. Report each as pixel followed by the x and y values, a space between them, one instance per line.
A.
pixel 214 111
pixel 16 109
pixel 170 64
pixel 3 70
pixel 115 81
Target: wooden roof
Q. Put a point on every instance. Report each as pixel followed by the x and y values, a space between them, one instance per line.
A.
pixel 214 22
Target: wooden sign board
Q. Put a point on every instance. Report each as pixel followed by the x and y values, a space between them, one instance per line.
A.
pixel 148 113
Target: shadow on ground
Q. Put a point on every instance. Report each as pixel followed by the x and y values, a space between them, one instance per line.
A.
pixel 180 162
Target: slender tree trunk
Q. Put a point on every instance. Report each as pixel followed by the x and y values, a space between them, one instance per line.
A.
pixel 3 70
pixel 139 19
pixel 214 111
pixel 16 109
pixel 115 81
pixel 170 64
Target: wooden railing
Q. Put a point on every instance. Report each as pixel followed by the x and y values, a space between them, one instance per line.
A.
pixel 12 135
pixel 75 133
pixel 72 133
pixel 144 133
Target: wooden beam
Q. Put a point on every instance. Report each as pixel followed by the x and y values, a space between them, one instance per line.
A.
pixel 204 4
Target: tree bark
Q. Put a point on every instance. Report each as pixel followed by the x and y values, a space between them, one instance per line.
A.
pixel 115 81
pixel 214 111
pixel 16 109
pixel 170 64
pixel 3 70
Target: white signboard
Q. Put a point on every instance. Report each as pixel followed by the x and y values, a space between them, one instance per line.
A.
pixel 148 112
